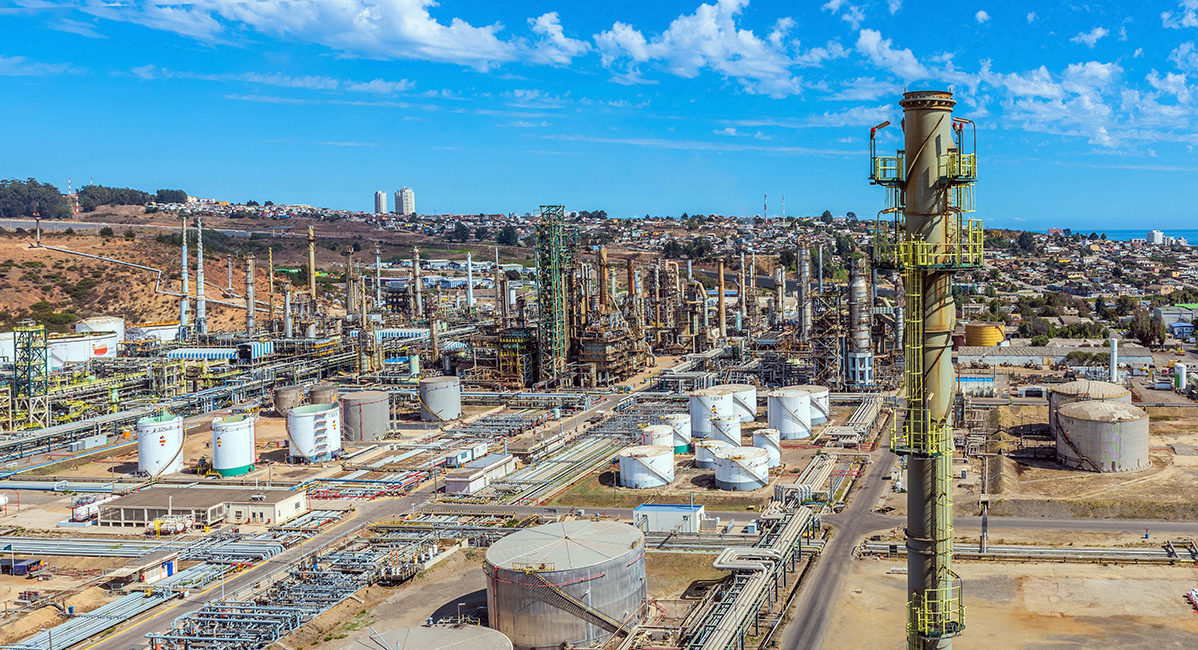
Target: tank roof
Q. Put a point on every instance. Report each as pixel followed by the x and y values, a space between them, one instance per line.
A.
pixel 814 389
pixel 436 637
pixel 1090 388
pixel 161 417
pixel 229 420
pixel 1102 411
pixel 710 443
pixel 738 453
pixel 661 428
pixel 565 545
pixel 309 409
pixel 364 396
pixel 445 379
pixel 643 451
pixel 676 416
pixel 718 391
pixel 739 387
pixel 791 391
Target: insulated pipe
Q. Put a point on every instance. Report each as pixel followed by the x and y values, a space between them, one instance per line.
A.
pixel 249 295
pixel 378 276
pixel 312 265
pixel 201 307
pixel 186 285
pixel 417 283
pixel 723 314
pixel 287 331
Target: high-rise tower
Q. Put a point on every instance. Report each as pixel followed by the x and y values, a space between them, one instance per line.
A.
pixel 930 185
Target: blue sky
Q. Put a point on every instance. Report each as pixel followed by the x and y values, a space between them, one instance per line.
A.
pixel 1086 112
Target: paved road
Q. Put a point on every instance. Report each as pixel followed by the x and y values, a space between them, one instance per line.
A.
pixel 820 590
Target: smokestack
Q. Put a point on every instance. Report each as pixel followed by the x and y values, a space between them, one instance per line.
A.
pixel 1114 361
pixel 469 282
pixel 378 277
pixel 249 294
pixel 418 283
pixel 805 291
pixel 780 294
pixel 270 261
pixel 312 265
pixel 821 269
pixel 186 284
pixel 499 295
pixel 201 305
pixel 723 315
pixel 603 279
pixel 287 328
pixel 230 274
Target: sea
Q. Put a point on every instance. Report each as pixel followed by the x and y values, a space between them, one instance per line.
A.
pixel 1125 235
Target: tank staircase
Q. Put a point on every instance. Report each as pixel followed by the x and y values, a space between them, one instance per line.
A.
pixel 553 595
pixel 1064 435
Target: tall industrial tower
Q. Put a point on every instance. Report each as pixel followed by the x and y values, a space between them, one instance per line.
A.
pixel 930 185
pixel 556 249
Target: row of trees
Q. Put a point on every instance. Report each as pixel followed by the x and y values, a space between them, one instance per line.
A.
pixel 29 197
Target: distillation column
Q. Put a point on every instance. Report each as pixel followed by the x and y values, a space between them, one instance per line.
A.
pixel 186 287
pixel 201 305
pixel 312 266
pixel 722 305
pixel 804 292
pixel 860 359
pixel 249 295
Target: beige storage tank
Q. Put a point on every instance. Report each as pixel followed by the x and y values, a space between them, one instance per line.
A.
pixel 646 466
pixel 705 452
pixel 1103 436
pixel 365 416
pixel 740 469
pixel 322 394
pixel 287 398
pixel 440 399
pixel 1081 391
pixel 982 334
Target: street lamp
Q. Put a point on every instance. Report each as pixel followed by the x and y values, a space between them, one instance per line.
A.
pixel 459 614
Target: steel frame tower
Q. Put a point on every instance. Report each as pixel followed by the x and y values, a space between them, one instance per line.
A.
pixel 930 184
pixel 31 374
pixel 556 251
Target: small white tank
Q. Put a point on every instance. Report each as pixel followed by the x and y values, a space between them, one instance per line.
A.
pixel 314 433
pixel 681 423
pixel 742 468
pixel 658 435
pixel 706 403
pixel 821 403
pixel 233 452
pixel 160 444
pixel 744 401
pixel 705 452
pixel 769 440
pixel 646 467
pixel 440 399
pixel 726 430
pixel 789 411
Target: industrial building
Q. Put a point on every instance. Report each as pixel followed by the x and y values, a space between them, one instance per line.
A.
pixel 203 506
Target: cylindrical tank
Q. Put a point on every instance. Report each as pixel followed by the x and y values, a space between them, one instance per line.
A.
pixel 789 411
pixel 365 416
pixel 742 468
pixel 706 403
pixel 681 424
pixel 647 466
pixel 1082 391
pixel 322 394
pixel 103 324
pixel 770 441
pixel 744 401
pixel 600 563
pixel 440 399
pixel 661 435
pixel 455 636
pixel 705 452
pixel 233 451
pixel 287 398
pixel 160 444
pixel 983 334
pixel 860 315
pixel 314 433
pixel 1104 436
pixel 821 404
pixel 1179 371
pixel 726 430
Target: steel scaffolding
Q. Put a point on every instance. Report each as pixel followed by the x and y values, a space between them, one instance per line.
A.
pixel 31 375
pixel 557 246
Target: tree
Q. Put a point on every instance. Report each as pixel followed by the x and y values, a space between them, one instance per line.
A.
pixel 106 231
pixel 170 196
pixel 1040 340
pixel 481 233
pixel 512 274
pixel 251 202
pixel 508 236
pixel 130 235
pixel 1102 236
pixel 24 198
pixel 826 217
pixel 268 203
pixel 1027 241
pixel 461 233
pixel 1125 305
pixel 788 259
pixel 1147 330
pixel 672 249
pixel 851 215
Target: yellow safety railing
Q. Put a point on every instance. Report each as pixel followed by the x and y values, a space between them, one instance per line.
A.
pixel 958 167
pixel 960 198
pixel 964 252
pixel 887 169
pixel 940 614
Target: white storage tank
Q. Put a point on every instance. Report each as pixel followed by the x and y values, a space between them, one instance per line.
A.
pixel 771 442
pixel 681 424
pixel 1103 436
pixel 365 416
pixel 1082 391
pixel 646 466
pixel 705 452
pixel 314 433
pixel 744 401
pixel 789 411
pixel 80 348
pixel 726 430
pixel 233 452
pixel 1179 371
pixel 706 403
pixel 440 399
pixel 112 324
pixel 160 444
pixel 601 563
pixel 658 435
pixel 739 469
pixel 821 403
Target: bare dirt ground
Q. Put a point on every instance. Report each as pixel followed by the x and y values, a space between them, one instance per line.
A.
pixel 669 574
pixel 1029 607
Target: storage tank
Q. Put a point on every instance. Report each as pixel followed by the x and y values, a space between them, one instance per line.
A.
pixel 1082 391
pixel 706 403
pixel 681 424
pixel 770 441
pixel 601 563
pixel 983 334
pixel 821 404
pixel 365 416
pixel 435 637
pixel 705 452
pixel 314 433
pixel 744 401
pixel 1104 436
pixel 1179 371
pixel 112 324
pixel 440 399
pixel 233 452
pixel 739 469
pixel 80 348
pixel 323 394
pixel 646 466
pixel 287 398
pixel 789 411
pixel 160 444
pixel 660 435
pixel 726 430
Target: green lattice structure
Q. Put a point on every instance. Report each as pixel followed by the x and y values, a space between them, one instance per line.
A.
pixel 557 246
pixel 31 374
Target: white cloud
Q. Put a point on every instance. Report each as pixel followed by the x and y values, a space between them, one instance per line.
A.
pixel 1185 56
pixel 706 39
pixel 697 145
pixel 894 5
pixel 1090 39
pixel 731 130
pixel 1188 17
pixel 1138 53
pixel 856 116
pixel 900 62
pixel 1031 17
pixel 555 47
pixel 521 124
pixel 817 55
pixel 1172 84
pixel 1123 33
pixel 867 89
pixel 19 66
pixel 533 98
pixel 981 16
pixel 853 14
pixel 377 86
pixel 76 27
